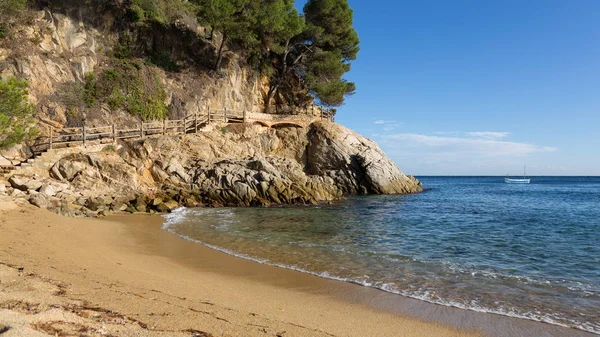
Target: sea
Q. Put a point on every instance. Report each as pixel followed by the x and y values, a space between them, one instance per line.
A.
pixel 530 251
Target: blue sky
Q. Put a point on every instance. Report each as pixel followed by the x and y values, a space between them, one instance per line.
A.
pixel 479 87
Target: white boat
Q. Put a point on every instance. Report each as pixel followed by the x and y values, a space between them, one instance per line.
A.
pixel 523 180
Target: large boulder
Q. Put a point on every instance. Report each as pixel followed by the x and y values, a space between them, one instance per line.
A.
pixel 69 167
pixel 356 163
pixel 24 183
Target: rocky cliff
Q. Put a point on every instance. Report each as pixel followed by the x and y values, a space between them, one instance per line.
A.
pixel 86 67
pixel 60 47
pixel 237 165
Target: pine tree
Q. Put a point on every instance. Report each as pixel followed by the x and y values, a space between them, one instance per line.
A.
pixel 233 18
pixel 335 43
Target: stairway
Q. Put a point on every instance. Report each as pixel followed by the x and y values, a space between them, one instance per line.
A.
pixel 7 170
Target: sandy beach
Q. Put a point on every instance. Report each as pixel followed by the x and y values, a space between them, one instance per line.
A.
pixel 63 276
pixel 124 276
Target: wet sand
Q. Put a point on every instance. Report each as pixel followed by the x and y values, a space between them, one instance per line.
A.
pixel 125 276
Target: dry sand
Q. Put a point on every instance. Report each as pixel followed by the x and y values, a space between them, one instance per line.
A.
pixel 63 276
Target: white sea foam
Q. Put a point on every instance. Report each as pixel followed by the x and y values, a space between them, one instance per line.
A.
pixel 181 214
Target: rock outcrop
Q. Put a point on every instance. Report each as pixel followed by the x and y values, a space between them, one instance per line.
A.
pixel 356 163
pixel 236 165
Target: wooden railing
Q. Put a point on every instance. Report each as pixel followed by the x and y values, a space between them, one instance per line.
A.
pixel 82 135
pixel 189 124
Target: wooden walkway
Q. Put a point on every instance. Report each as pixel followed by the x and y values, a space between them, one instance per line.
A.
pixel 70 137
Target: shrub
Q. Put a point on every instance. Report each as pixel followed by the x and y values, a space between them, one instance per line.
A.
pixel 15 113
pixel 129 86
pixel 162 60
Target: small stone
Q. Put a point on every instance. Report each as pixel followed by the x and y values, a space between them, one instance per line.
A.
pixel 117 206
pixel 140 205
pixel 48 190
pixel 88 213
pixel 157 201
pixel 93 204
pixel 172 204
pixel 104 213
pixel 162 208
pixel 38 200
pixel 16 193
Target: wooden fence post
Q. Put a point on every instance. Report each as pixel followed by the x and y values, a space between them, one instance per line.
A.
pixel 164 126
pixel 184 125
pixel 114 134
pixel 208 120
pixel 245 117
pixel 225 115
pixel 142 130
pixel 83 132
pixel 51 135
pixel 196 122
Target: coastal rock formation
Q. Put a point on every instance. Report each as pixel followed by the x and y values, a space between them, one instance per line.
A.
pixel 234 165
pixel 356 163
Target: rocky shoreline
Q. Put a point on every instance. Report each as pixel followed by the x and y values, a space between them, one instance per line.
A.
pixel 225 165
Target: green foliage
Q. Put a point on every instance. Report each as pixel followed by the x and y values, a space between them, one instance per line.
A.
pixel 334 43
pixel 89 90
pixel 162 60
pixel 36 39
pixel 124 48
pixel 129 86
pixel 313 50
pixel 149 10
pixel 109 148
pixel 275 23
pixel 11 8
pixel 15 112
pixel 161 11
pixel 10 12
pixel 331 27
pixel 233 18
pixel 3 30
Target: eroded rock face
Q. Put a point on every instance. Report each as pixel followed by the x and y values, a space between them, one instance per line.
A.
pixel 356 163
pixel 239 165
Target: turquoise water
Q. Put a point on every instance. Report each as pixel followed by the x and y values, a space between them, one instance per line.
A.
pixel 530 251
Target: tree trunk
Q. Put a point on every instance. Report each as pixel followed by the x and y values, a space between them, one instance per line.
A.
pixel 220 55
pixel 270 96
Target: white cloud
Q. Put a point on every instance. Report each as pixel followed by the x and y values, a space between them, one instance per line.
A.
pixel 381 121
pixel 488 134
pixel 474 144
pixel 387 125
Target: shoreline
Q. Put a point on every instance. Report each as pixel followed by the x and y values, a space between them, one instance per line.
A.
pixel 163 284
pixel 489 322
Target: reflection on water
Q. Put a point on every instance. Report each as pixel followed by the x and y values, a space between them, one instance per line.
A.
pixel 528 251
